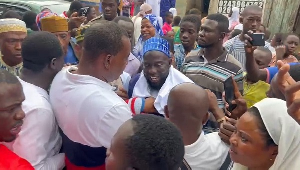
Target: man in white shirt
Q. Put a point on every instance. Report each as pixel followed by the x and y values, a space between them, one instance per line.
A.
pixel 187 108
pixel 87 109
pixel 39 141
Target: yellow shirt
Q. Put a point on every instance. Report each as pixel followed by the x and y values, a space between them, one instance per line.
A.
pixel 15 70
pixel 255 92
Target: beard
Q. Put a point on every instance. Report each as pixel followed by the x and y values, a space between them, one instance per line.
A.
pixel 156 86
pixel 205 45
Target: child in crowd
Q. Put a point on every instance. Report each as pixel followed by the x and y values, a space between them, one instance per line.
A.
pixel 255 92
pixel 168 24
pixel 176 22
pixel 135 146
pixel 171 34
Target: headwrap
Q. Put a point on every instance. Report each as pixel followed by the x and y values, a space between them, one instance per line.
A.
pixel 157 44
pixel 143 9
pixel 284 131
pixel 138 49
pixel 173 11
pixel 154 21
pixel 41 16
pixel 80 33
pixel 12 24
pixel 54 24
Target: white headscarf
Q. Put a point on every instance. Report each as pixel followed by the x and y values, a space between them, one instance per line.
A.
pixel 285 132
pixel 235 16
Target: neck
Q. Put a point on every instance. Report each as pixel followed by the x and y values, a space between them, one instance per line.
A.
pixel 86 68
pixel 264 167
pixel 188 49
pixel 11 63
pixel 213 52
pixel 190 134
pixel 38 79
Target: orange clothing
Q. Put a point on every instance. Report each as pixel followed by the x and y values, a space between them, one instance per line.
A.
pixel 289 59
pixel 11 161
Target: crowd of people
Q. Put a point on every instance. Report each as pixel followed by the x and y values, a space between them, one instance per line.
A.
pixel 96 89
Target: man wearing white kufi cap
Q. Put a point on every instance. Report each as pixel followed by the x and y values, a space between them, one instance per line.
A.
pixel 12 33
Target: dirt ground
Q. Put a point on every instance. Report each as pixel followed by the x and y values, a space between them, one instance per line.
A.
pixel 180 6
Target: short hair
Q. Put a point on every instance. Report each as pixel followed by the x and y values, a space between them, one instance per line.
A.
pixel 11 14
pixel 122 18
pixel 194 11
pixel 161 150
pixel 265 50
pixel 168 13
pixel 38 50
pixel 7 77
pixel 29 18
pixel 105 37
pixel 222 20
pixel 250 8
pixel 176 20
pixel 75 6
pixel 295 72
pixel 193 19
pixel 171 42
pixel 285 36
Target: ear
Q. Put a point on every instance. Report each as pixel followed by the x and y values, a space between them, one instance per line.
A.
pixel 166 110
pixel 205 118
pixel 52 64
pixel 170 61
pixel 274 152
pixel 223 35
pixel 107 61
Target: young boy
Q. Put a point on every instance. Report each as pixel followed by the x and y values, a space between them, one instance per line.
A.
pixel 176 22
pixel 168 24
pixel 135 146
pixel 255 92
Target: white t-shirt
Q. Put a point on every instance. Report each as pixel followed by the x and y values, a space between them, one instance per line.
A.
pixel 207 153
pixel 88 111
pixel 39 141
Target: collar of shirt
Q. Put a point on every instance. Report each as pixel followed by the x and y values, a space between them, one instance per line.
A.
pixel 85 79
pixel 41 91
pixel 221 58
pixel 131 57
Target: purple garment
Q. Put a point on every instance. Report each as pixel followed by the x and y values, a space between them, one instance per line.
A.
pixel 133 65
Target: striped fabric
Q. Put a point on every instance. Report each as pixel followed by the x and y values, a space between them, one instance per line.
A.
pixel 211 75
pixel 236 48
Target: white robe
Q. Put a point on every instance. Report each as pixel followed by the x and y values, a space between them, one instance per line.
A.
pixel 155 4
pixel 174 78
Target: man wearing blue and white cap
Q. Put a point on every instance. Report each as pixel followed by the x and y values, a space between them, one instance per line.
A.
pixel 12 33
pixel 157 78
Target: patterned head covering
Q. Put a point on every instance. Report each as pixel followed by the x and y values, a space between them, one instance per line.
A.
pixel 54 24
pixel 80 33
pixel 157 44
pixel 41 16
pixel 12 24
pixel 154 21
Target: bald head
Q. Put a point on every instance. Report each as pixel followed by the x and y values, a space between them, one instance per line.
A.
pixel 251 9
pixel 188 101
pixel 8 78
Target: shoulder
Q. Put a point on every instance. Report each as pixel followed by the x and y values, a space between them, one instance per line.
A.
pixel 231 59
pixel 229 43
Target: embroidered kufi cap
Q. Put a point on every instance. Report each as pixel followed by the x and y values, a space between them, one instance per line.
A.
pixel 54 24
pixel 157 44
pixel 80 33
pixel 12 24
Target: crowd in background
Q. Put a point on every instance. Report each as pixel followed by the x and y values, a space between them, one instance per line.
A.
pixel 132 85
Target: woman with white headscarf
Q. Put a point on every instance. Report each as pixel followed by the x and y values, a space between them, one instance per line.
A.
pixel 234 16
pixel 267 138
pixel 137 20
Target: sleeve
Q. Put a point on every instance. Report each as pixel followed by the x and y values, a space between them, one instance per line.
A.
pixel 111 122
pixel 36 136
pixel 271 72
pixel 131 85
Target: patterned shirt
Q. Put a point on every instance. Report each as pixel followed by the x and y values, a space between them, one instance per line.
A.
pixel 236 47
pixel 15 70
pixel 180 54
pixel 212 75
